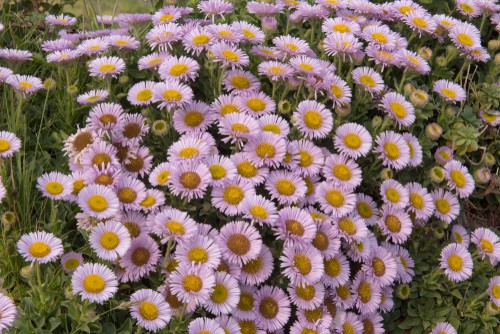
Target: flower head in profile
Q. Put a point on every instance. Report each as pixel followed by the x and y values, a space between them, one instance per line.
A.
pixel 40 246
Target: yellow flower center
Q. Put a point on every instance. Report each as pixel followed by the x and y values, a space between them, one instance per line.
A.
pixel 233 195
pixel 162 177
pixel 335 198
pixel 175 227
pixel 495 291
pixel 190 180
pixel 198 255
pixel 256 104
pixel 292 46
pixel 458 178
pixel 259 212
pixel 336 90
pixel 230 55
pixel 449 93
pixel 393 223
pixel 145 95
pixel 254 266
pixel 486 245
pixel 239 244
pixel 240 82
pixel 247 169
pixel 294 227
pixel 405 9
pixel 347 225
pixel 220 294
pixel 305 292
pixel 97 203
pixel 148 310
pixel 321 241
pixel 313 119
pixel 313 315
pixel 391 150
pixel 247 33
pixel 302 263
pixel 217 171
pixel 201 40
pixel 166 17
pixel 155 61
pixel 109 240
pixel 352 141
pixel 239 127
pixel 229 109
pixel 247 326
pixel 268 308
pixel 367 80
pixel 265 150
pixel 94 283
pixel 364 209
pixel 342 172
pixel 398 109
pixel 4 145
pixel 272 128
pixel 420 22
pixel 348 328
pixel 442 205
pixel 306 159
pixel 178 69
pixel 306 67
pixel 127 195
pixel 458 237
pixel 192 283
pixel 54 188
pixel 417 201
pixel 378 266
pixel 466 7
pixel 379 37
pixel 39 249
pixel 140 256
pixel 188 152
pixel 365 292
pixel 148 201
pixel 246 301
pixel 72 263
pixel 107 68
pixel 172 95
pixel 285 187
pixel 392 195
pixel 133 228
pixel 340 27
pixel 275 70
pixel 25 85
pixel 455 262
pixel 343 292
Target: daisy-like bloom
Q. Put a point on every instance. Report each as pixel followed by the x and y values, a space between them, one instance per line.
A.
pixel 414 61
pixel 381 267
pixel 228 324
pixel 163 35
pixel 26 84
pixel 54 185
pixel 93 96
pixel 224 105
pixel 367 293
pixel 140 259
pixel 191 284
pixel 62 56
pixel 342 171
pixel 152 60
pixel 307 296
pixel 259 209
pixel 267 53
pixel 250 33
pixel 395 224
pixel 225 33
pixel 416 154
pixel 205 325
pixel 105 19
pixel 258 270
pixel 343 296
pixel 225 296
pixel 179 68
pixel 443 328
pixel 275 124
pixel 372 323
pixel 228 197
pixel 141 93
pixel 383 57
pixel 295 225
pixel 93 46
pixel 381 36
pixel 256 104
pixel 188 148
pixel 171 94
pixel 351 228
pixel 173 224
pixel 326 240
pixel 150 309
pixel 9 144
pixel 291 46
pixel 459 178
pixel 190 179
pixel 105 116
pixel 338 90
pixel 359 251
pixel 310 158
pixel 266 149
pixel 194 117
pixel 138 162
pixel 123 42
pixel 491 117
pixel 240 81
pixel 340 25
pixel 198 251
pixel 368 79
pixel 447 206
pixel 478 54
pixel 393 150
pixel 443 155
pixel 469 8
pixel 60 20
pixel 160 175
pixel 456 262
pixel 420 21
pixel 5 73
pixel 275 70
pixel 57 45
pixel 319 317
pixel 105 67
pixel 215 8
pixel 343 45
pixel 396 106
pixel 313 119
pixel 305 65
pixel 166 14
pixel 130 192
pixel 98 201
pixel 394 193
pixel 229 55
pixel 302 264
pixel 285 187
pixel 460 235
pixel 366 208
pixel 239 242
pixel 8 312
pixel 449 91
pixel 335 200
pixel 71 261
pixel 272 308
pixel 353 140
pixel 337 271
pixel 95 282
pixel 40 246
pixel 349 324
pixel 109 240
pixel 488 243
pixel 420 201
pixel 15 55
pixel 494 290
pixel 222 170
pixel 197 40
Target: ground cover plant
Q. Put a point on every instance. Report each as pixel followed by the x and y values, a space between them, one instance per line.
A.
pixel 217 167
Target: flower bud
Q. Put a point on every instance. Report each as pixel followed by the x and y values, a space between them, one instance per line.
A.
pixel 419 98
pixel 438 233
pixel 409 88
pixel 450 111
pixel 49 84
pixel 284 106
pixel 441 61
pixel 377 122
pixel 27 271
pixel 68 293
pixel 493 45
pixel 72 90
pixel 9 218
pixel 160 127
pixel 497 59
pixel 386 174
pixel 123 79
pixel 492 308
pixel 482 175
pixel 403 291
pixel 343 110
pixel 425 53
pixel 437 174
pixel 452 52
pixel 489 159
pixel 269 24
pixel 433 131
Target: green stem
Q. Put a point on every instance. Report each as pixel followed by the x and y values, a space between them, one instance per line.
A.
pixel 38 273
pixel 402 81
